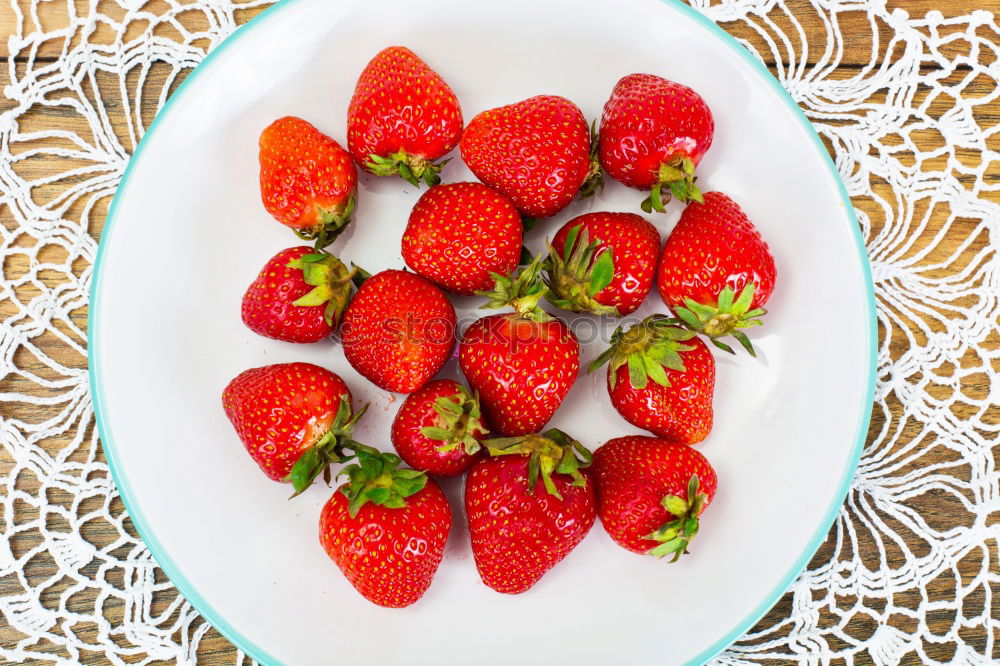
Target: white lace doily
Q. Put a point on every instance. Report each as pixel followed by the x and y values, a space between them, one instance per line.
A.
pixel 910 570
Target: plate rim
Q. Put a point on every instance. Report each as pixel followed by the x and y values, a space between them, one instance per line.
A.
pixel 213 617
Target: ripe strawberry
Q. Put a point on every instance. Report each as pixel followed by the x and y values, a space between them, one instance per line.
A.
pixel 677 403
pixel 654 132
pixel 714 253
pixel 459 234
pixel 652 493
pixel 398 330
pixel 528 508
pixel 521 364
pixel 386 529
pixel 603 263
pixel 438 428
pixel 298 296
pixel 307 181
pixel 402 117
pixel 536 152
pixel 293 418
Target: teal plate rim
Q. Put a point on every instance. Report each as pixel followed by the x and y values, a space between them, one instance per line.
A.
pixel 243 642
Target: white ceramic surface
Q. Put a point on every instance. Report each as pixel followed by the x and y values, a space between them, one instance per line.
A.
pixel 188 233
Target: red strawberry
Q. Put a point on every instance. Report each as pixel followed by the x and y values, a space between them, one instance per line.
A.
pixel 386 529
pixel 677 403
pixel 654 132
pixel 438 428
pixel 716 272
pixel 293 418
pixel 460 233
pixel 652 493
pixel 398 330
pixel 298 296
pixel 536 152
pixel 527 512
pixel 522 364
pixel 402 117
pixel 307 181
pixel 603 263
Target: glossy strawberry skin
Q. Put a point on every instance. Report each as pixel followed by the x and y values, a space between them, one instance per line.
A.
pixel 389 555
pixel 681 412
pixel 521 369
pixel 281 410
pixel 714 245
pixel 303 173
pixel 418 450
pixel 536 152
pixel 398 330
pixel 634 474
pixel 517 536
pixel 459 233
pixel 648 121
pixel 400 103
pixel 635 245
pixel 267 304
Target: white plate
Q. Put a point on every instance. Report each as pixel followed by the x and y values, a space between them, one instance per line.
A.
pixel 187 233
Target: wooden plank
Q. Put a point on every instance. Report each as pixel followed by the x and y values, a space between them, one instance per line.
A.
pixel 858 48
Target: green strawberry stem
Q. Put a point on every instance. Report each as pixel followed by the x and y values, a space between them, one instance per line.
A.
pixel 359 275
pixel 410 168
pixel 675 535
pixel 647 348
pixel 331 282
pixel 522 291
pixel 375 478
pixel 574 277
pixel 677 175
pixel 332 447
pixel 460 422
pixel 725 317
pixel 551 452
pixel 595 175
pixel 331 223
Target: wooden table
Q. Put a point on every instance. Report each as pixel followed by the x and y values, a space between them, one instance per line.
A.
pixel 214 648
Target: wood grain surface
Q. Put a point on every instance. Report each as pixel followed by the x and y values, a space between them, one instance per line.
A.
pixel 864 38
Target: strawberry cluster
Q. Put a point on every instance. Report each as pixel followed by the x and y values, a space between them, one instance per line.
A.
pixel 531 494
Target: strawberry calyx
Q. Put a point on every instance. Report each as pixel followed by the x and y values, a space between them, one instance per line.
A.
pixel 677 174
pixel 574 277
pixel 647 348
pixel 594 180
pixel 522 290
pixel 334 446
pixel 410 168
pixel 330 281
pixel 724 318
pixel 550 452
pixel 331 222
pixel 460 422
pixel 376 478
pixel 675 535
